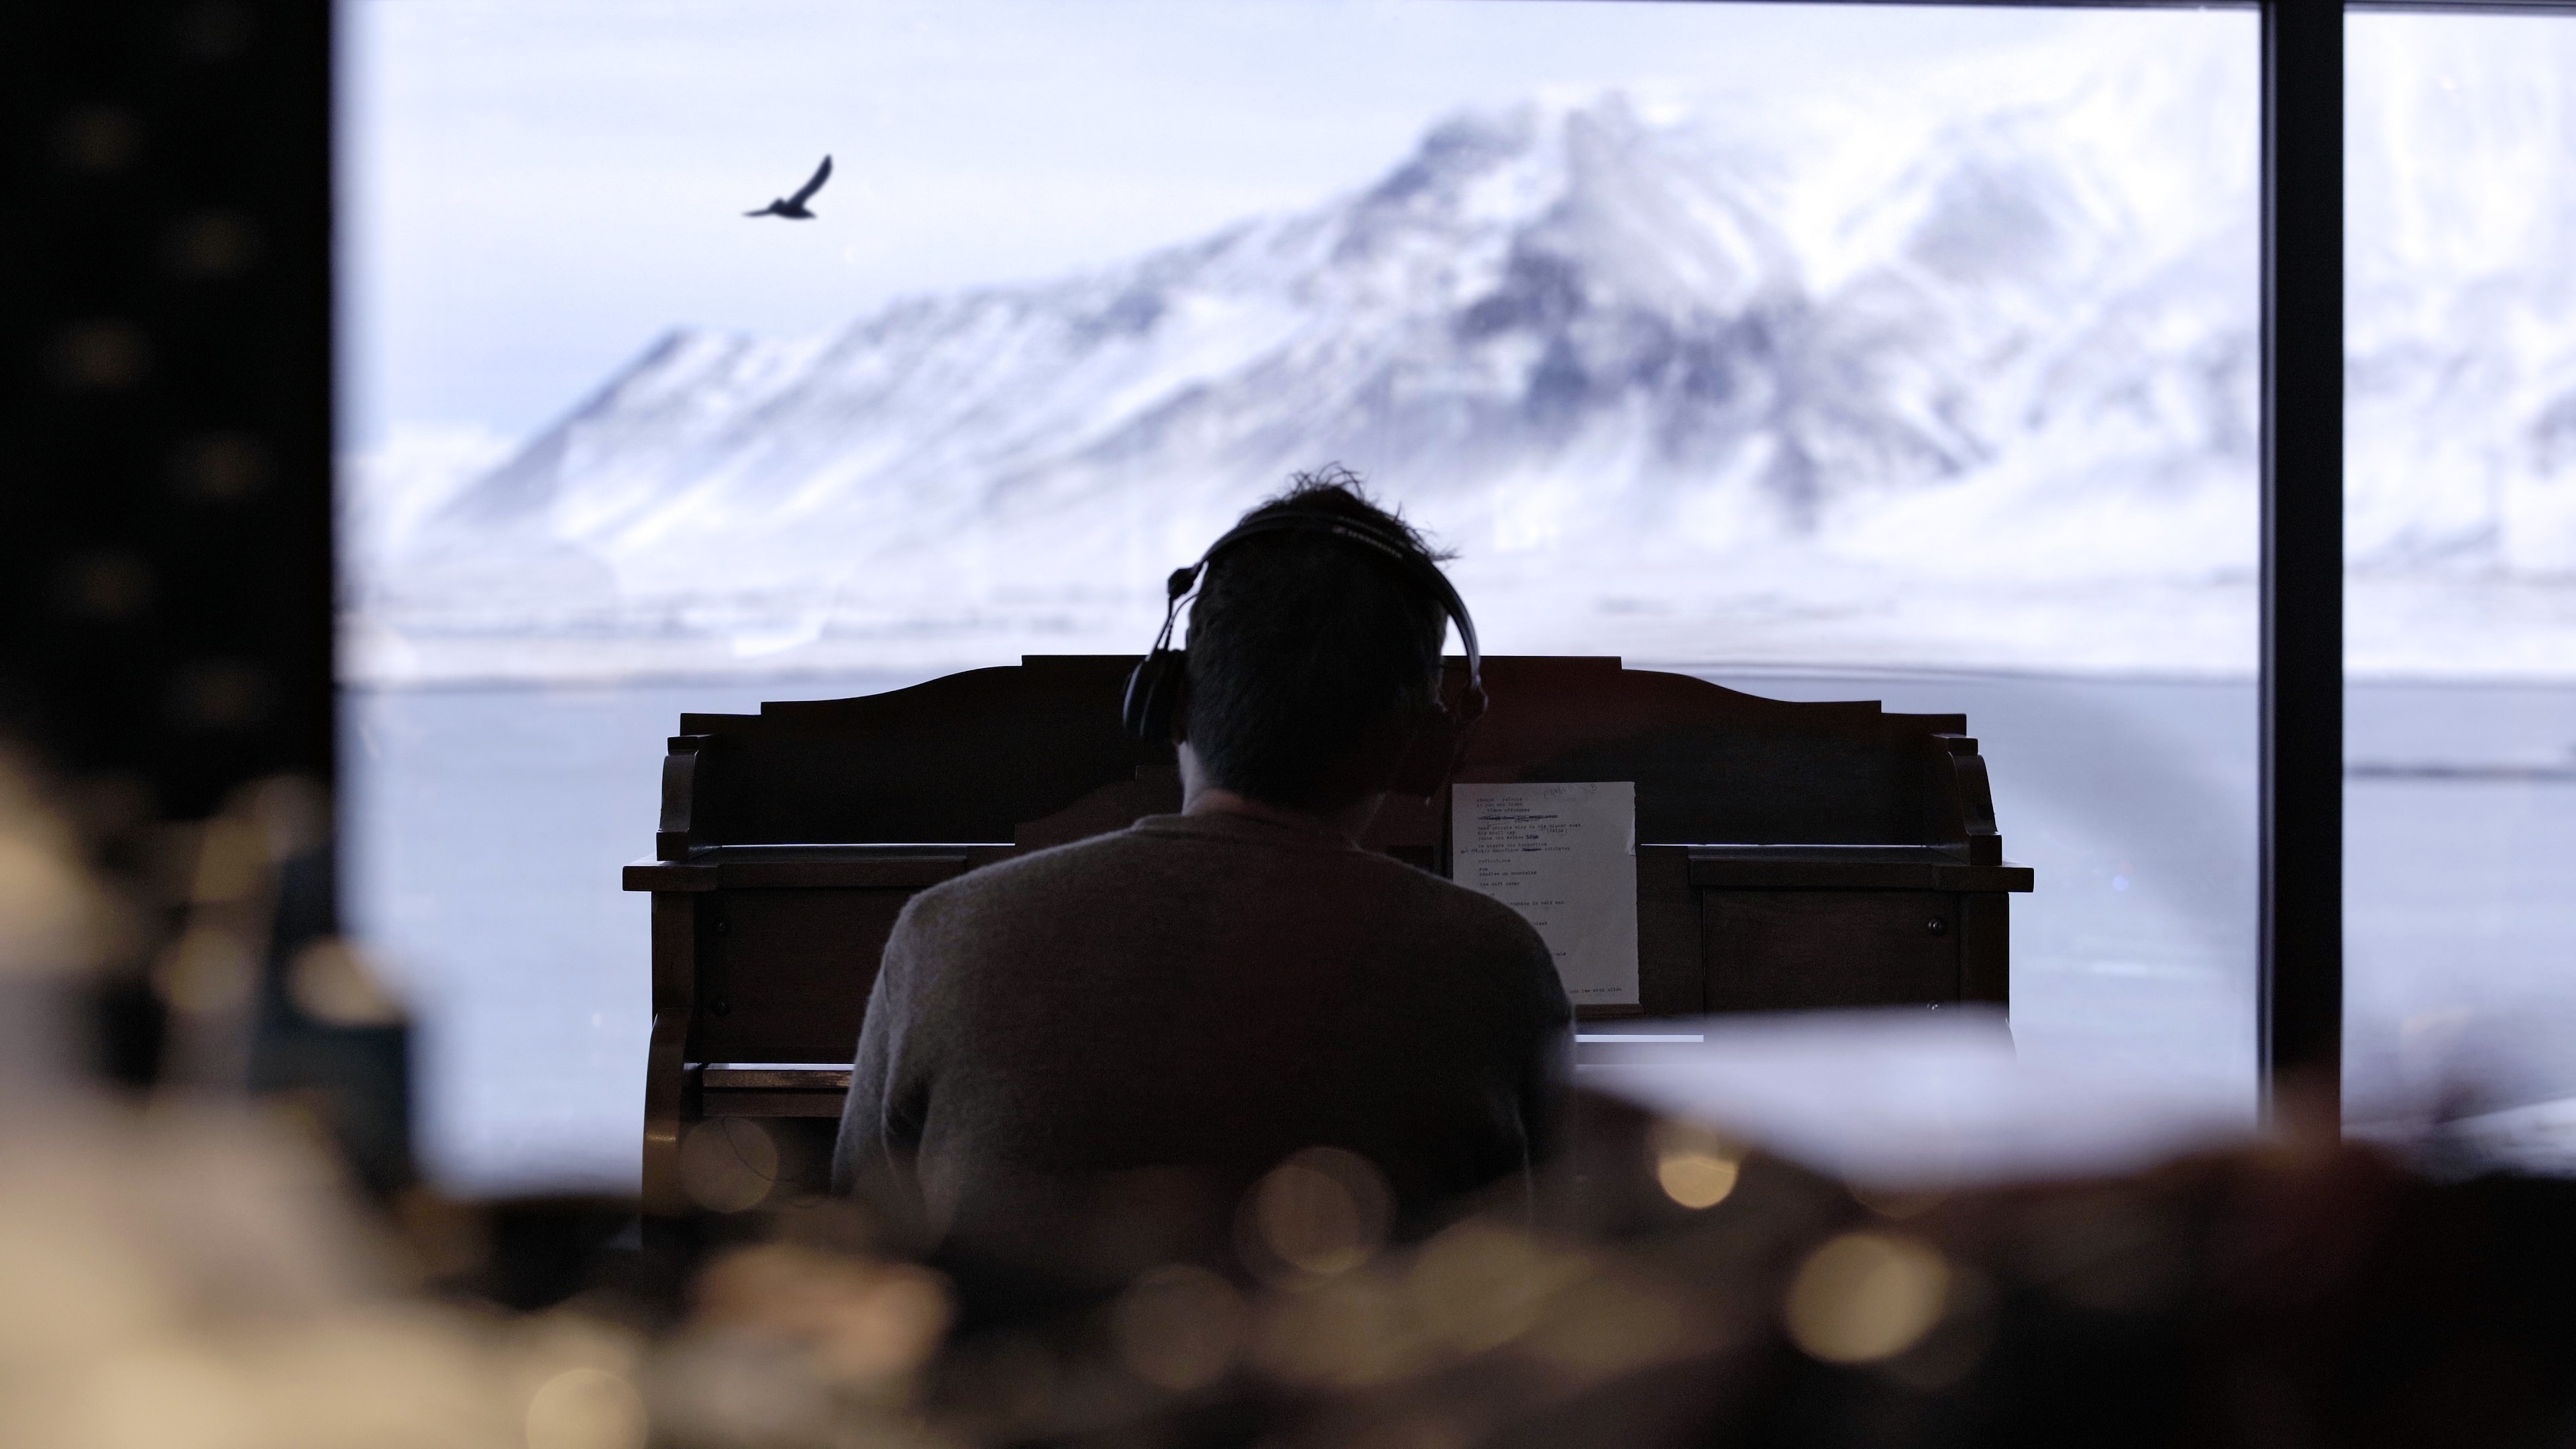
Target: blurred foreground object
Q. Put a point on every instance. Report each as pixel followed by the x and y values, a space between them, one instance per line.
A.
pixel 166 571
pixel 234 979
pixel 191 1270
pixel 1909 1100
pixel 195 1277
pixel 55 922
pixel 1878 1230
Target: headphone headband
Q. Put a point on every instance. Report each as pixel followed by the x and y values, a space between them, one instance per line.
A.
pixel 1395 548
pixel 1153 687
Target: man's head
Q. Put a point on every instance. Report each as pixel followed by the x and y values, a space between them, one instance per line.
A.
pixel 1310 659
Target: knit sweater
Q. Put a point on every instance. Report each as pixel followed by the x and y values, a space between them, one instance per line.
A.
pixel 1074 1063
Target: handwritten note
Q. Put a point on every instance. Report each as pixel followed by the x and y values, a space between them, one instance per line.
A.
pixel 1565 857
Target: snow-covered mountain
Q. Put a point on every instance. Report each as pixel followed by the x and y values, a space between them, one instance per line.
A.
pixel 1678 385
pixel 2462 321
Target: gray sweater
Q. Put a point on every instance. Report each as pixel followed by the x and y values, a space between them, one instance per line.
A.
pixel 1075 1062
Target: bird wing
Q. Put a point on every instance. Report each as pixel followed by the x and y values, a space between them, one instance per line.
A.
pixel 822 174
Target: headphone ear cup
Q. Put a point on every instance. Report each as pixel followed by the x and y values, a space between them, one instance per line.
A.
pixel 1153 690
pixel 1440 745
pixel 1462 722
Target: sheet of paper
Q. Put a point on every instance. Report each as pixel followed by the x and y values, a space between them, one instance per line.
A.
pixel 1565 857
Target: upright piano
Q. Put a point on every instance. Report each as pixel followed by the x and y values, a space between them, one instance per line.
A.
pixel 1790 855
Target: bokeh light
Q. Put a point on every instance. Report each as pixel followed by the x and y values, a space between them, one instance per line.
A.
pixel 1479 1285
pixel 1179 1327
pixel 1695 1166
pixel 1863 1297
pixel 1351 1331
pixel 1322 1212
pixel 586 1408
pixel 859 1321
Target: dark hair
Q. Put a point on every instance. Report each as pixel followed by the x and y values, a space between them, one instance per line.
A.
pixel 1299 643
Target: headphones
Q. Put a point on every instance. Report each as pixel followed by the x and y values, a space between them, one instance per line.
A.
pixel 1154 687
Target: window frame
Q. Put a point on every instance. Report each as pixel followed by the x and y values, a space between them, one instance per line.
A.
pixel 2299 1006
pixel 2300 676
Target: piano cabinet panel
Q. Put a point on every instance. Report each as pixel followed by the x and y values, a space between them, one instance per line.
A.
pixel 1817 949
pixel 784 974
pixel 1671 971
pixel 1985 947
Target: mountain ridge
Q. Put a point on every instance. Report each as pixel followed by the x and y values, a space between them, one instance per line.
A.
pixel 1615 357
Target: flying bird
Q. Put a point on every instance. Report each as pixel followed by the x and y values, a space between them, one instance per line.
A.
pixel 793 207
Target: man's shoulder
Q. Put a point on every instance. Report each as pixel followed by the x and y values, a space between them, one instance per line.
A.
pixel 1115 858
pixel 1130 864
pixel 1083 865
pixel 1469 946
pixel 1458 907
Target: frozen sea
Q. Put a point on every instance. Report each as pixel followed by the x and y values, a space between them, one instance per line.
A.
pixel 486 828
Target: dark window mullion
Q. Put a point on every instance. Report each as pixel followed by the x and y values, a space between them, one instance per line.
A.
pixel 2301 1008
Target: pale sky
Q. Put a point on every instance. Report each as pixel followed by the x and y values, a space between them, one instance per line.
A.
pixel 532 190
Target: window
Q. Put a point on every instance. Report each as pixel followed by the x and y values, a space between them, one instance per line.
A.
pixel 1826 351
pixel 2461 722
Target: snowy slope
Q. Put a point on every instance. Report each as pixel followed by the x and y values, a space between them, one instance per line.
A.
pixel 2463 314
pixel 1678 385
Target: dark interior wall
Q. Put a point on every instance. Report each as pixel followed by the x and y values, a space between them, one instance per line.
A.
pixel 165 423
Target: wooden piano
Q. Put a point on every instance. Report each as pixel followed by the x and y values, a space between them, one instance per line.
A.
pixel 1790 855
